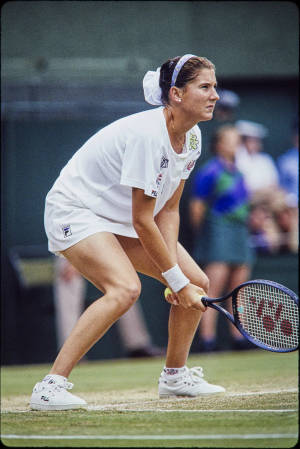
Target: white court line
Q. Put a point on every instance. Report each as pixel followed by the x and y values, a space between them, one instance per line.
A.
pixel 161 410
pixel 95 408
pixel 253 393
pixel 177 399
pixel 254 436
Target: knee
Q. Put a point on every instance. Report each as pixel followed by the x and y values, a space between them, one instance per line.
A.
pixel 204 283
pixel 127 294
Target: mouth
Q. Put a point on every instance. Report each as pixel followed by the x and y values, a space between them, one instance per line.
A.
pixel 210 107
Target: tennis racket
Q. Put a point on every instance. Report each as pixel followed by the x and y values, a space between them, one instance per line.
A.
pixel 265 312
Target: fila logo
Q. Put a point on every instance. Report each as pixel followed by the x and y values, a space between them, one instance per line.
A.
pixel 66 229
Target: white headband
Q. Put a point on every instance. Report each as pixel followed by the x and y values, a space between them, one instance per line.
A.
pixel 152 91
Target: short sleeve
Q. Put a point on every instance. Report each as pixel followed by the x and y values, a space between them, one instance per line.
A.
pixel 194 148
pixel 141 164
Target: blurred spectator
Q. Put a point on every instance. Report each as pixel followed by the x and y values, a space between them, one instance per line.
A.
pixel 259 169
pixel 262 226
pixel 288 167
pixel 226 106
pixel 286 216
pixel 69 299
pixel 219 212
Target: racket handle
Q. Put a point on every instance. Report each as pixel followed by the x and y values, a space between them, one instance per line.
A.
pixel 204 300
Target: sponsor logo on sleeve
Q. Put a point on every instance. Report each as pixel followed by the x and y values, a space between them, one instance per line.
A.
pixel 194 142
pixel 190 165
pixel 159 179
pixel 164 162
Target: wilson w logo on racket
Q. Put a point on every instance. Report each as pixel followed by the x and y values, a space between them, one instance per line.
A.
pixel 265 312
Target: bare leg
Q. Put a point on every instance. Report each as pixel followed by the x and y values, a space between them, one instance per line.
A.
pixel 218 273
pixel 102 261
pixel 182 322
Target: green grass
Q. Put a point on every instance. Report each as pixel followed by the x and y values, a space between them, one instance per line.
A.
pixel 127 392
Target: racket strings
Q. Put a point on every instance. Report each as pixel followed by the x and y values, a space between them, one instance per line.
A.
pixel 269 315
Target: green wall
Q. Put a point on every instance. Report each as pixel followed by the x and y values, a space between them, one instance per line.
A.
pixel 122 39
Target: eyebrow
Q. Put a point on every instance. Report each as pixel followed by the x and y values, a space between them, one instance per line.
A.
pixel 211 84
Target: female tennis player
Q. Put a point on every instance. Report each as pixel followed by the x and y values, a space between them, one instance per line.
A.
pixel 114 211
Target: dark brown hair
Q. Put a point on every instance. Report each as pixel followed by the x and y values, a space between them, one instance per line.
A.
pixel 188 72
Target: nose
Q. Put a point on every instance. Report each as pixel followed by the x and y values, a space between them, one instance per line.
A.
pixel 215 95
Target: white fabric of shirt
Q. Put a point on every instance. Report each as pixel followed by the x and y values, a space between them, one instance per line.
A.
pixel 259 169
pixel 134 151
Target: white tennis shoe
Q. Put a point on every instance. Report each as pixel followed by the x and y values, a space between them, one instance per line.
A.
pixel 52 394
pixel 185 382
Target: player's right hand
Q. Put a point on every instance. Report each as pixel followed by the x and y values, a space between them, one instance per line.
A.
pixel 189 297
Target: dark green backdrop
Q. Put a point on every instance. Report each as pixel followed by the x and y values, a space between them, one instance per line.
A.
pixel 69 68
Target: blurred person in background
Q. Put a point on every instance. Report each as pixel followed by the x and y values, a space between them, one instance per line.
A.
pixel 288 167
pixel 226 107
pixel 219 208
pixel 69 300
pixel 285 215
pixel 262 181
pixel 286 207
pixel 258 167
pixel 264 233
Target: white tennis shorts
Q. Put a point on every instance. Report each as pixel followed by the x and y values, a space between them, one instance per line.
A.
pixel 67 223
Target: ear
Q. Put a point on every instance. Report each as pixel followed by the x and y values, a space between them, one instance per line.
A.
pixel 175 94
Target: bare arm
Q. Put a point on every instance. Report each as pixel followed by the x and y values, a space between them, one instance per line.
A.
pixel 197 209
pixel 148 231
pixel 168 220
pixel 159 239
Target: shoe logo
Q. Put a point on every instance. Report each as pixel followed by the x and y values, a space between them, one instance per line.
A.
pixel 45 398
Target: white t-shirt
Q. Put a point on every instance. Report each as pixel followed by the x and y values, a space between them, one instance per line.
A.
pixel 259 169
pixel 134 151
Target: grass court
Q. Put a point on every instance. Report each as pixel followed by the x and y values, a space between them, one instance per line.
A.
pixel 258 410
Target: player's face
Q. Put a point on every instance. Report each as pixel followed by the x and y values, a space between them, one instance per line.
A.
pixel 200 96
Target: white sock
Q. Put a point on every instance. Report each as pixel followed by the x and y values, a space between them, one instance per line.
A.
pixel 54 377
pixel 171 372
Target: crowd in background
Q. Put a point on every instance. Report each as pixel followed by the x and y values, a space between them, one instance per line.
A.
pixel 243 203
pixel 272 184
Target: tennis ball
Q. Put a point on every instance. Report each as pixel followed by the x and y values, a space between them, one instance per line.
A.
pixel 168 292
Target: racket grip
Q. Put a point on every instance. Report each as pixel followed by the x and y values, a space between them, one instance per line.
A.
pixel 204 300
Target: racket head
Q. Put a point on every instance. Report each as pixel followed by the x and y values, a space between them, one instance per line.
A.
pixel 267 314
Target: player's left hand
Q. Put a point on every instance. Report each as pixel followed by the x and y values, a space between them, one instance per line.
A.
pixel 171 297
